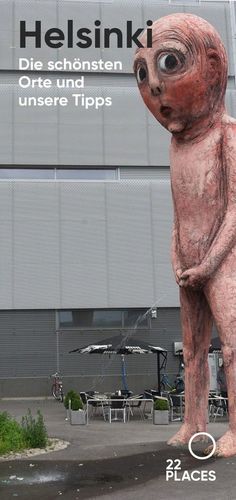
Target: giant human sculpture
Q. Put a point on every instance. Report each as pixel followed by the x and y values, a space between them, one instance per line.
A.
pixel 182 80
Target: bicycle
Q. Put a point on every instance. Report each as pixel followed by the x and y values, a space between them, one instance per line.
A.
pixel 57 387
pixel 165 383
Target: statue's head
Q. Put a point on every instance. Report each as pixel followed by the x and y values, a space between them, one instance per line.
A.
pixel 182 78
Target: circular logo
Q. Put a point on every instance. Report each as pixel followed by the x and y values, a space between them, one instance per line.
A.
pixel 202 434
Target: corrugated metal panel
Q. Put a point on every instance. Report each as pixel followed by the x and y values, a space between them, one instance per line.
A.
pixel 83 245
pixel 165 330
pixel 218 14
pixel 30 11
pixel 35 245
pixel 28 348
pixel 28 343
pixel 158 143
pixel 6 35
pixel 115 14
pixel 6 246
pixel 231 102
pixel 125 135
pixel 86 244
pixel 154 173
pixel 74 136
pixel 130 263
pixel 6 268
pixel 167 290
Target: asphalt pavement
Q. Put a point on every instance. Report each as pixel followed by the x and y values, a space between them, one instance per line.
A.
pixel 114 461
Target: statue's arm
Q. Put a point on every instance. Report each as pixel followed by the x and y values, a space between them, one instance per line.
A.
pixel 225 238
pixel 176 265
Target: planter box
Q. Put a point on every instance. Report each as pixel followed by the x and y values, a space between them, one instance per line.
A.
pixel 161 417
pixel 77 417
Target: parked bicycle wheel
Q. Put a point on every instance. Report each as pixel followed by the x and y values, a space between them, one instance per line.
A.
pixel 57 392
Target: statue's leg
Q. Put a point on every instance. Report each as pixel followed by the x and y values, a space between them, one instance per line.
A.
pixel 196 321
pixel 221 293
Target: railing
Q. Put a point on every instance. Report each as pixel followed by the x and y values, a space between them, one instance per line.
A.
pixel 124 403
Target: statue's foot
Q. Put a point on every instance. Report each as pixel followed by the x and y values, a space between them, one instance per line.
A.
pixel 184 434
pixel 225 446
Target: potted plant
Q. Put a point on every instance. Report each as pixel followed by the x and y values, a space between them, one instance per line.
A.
pixel 77 413
pixel 161 411
pixel 69 396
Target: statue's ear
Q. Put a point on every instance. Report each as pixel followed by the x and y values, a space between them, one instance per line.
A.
pixel 214 66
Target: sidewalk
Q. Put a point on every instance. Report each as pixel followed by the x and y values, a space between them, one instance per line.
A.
pixel 111 461
pixel 98 439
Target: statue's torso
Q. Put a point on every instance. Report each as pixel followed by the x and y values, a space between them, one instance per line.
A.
pixel 199 189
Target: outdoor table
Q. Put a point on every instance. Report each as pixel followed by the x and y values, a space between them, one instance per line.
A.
pixel 106 402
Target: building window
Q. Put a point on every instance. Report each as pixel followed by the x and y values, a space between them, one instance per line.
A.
pixel 27 173
pixel 76 174
pixel 133 317
pixel 103 319
pixel 87 174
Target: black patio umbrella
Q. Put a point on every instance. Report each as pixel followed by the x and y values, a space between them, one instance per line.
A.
pixel 124 345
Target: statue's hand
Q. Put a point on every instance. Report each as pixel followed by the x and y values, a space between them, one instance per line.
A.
pixel 178 273
pixel 194 277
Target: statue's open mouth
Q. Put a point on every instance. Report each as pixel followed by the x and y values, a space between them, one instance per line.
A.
pixel 165 110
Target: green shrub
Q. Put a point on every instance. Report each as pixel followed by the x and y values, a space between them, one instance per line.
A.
pixel 161 404
pixel 34 430
pixel 76 403
pixel 11 435
pixel 69 396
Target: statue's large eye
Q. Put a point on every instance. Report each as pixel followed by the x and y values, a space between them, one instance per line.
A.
pixel 141 74
pixel 168 63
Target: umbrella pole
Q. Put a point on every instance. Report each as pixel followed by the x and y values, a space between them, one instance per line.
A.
pixel 124 372
pixel 158 374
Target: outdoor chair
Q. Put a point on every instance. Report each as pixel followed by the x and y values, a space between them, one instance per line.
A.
pixel 126 393
pixel 176 405
pixel 154 392
pixel 84 397
pixel 117 408
pixel 94 404
pixel 148 408
pixel 135 405
pixel 217 407
pixel 148 394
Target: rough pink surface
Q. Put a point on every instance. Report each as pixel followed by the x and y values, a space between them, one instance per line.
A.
pixel 182 80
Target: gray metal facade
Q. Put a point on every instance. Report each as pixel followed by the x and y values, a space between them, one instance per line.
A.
pixel 124 134
pixel 85 244
pixel 31 350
